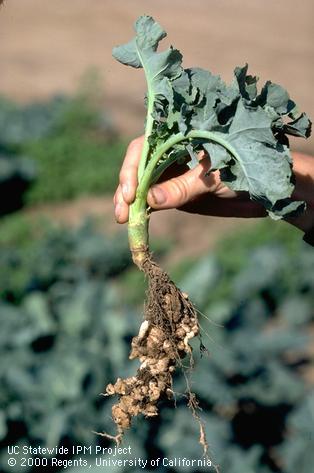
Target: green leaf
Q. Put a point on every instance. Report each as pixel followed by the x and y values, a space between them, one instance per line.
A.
pixel 219 156
pixel 278 98
pixel 245 84
pixel 299 127
pixel 208 85
pixel 260 168
pixel 194 161
pixel 244 132
pixel 141 52
pixel 237 460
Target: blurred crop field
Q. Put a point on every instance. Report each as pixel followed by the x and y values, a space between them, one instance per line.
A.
pixel 70 299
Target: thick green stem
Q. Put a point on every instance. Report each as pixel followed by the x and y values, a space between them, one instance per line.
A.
pixel 138 231
pixel 148 130
pixel 149 121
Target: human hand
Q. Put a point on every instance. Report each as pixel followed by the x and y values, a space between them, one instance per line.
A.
pixel 181 188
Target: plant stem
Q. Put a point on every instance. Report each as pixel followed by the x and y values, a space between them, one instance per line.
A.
pixel 145 182
pixel 149 120
pixel 138 230
pixel 138 215
pixel 148 131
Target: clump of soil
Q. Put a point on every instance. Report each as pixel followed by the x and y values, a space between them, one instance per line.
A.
pixel 170 322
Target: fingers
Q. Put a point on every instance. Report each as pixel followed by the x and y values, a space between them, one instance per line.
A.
pixel 128 173
pixel 121 208
pixel 178 191
pixel 188 190
pixel 125 193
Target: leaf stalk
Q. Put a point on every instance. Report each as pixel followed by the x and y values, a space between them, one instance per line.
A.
pixel 138 214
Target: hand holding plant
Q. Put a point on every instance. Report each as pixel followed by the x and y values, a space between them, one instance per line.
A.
pixel 189 190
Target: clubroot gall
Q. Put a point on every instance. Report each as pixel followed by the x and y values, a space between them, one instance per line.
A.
pixel 244 133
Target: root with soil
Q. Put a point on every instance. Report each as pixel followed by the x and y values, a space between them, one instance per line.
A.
pixel 170 322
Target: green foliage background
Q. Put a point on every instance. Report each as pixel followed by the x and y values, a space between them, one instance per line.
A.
pixel 70 143
pixel 70 301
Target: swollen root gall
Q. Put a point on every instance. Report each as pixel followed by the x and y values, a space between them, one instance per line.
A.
pixel 170 322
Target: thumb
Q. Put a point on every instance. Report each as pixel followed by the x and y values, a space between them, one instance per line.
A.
pixel 179 190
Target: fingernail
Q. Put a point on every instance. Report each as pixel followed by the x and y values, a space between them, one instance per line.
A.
pixel 125 190
pixel 158 195
pixel 117 211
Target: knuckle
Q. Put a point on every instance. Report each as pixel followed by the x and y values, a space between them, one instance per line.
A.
pixel 180 188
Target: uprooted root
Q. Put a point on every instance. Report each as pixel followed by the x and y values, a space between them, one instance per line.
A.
pixel 170 321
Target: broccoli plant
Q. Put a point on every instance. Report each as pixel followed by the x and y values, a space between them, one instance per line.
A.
pixel 245 135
